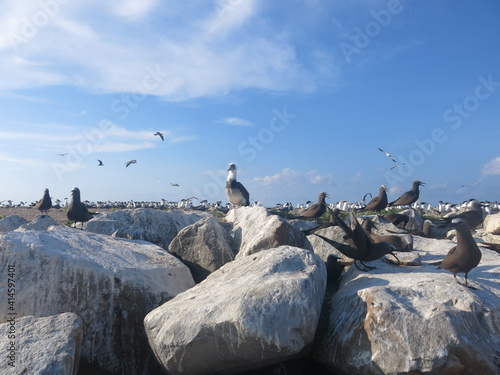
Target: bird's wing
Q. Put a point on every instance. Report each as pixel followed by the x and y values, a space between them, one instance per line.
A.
pixel 244 191
pixel 347 250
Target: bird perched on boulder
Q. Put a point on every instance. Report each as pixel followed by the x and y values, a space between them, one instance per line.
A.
pixel 235 191
pixel 77 211
pixel 379 202
pixel 45 203
pixel 466 255
pixel 316 210
pixel 397 219
pixel 410 196
pixel 402 243
pixel 359 245
pixel 474 216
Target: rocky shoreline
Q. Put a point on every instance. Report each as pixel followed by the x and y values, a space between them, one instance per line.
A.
pixel 146 291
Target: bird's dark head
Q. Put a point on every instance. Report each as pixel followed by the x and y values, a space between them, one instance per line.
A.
pixel 46 190
pixel 383 188
pixel 459 223
pixel 419 183
pixel 231 167
pixel 323 195
pixel 75 191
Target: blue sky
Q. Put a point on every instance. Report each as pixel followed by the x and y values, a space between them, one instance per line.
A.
pixel 299 94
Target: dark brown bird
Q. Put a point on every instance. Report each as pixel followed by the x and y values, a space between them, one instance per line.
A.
pixel 45 203
pixel 402 243
pixel 315 210
pixel 466 255
pixel 330 223
pixel 360 246
pixel 130 162
pixel 77 211
pixel 410 196
pixel 397 219
pixel 160 134
pixel 473 216
pixel 379 202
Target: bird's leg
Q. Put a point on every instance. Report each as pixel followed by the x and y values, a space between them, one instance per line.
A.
pixel 394 255
pixel 469 286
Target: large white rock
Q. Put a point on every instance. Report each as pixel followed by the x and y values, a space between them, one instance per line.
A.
pixel 491 224
pixel 38 223
pixel 408 320
pixel 252 312
pixel 203 246
pixel 254 229
pixel 156 226
pixel 11 222
pixel 41 346
pixel 110 283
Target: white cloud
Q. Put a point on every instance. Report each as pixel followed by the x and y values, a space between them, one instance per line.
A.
pixel 315 178
pixel 289 177
pixel 235 121
pixel 492 167
pixel 98 46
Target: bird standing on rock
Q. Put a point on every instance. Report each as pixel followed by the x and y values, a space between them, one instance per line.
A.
pixel 473 216
pixel 77 211
pixel 379 202
pixel 409 197
pixel 316 210
pixel 466 255
pixel 45 203
pixel 235 191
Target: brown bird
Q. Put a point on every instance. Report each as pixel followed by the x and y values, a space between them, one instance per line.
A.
pixel 379 202
pixel 77 211
pixel 410 196
pixel 330 223
pixel 466 255
pixel 473 216
pixel 397 219
pixel 402 243
pixel 315 210
pixel 360 246
pixel 45 203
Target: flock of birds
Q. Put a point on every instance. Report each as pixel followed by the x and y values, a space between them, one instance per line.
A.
pixel 359 243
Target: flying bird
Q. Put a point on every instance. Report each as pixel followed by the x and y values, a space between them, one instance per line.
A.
pixel 63 154
pixel 45 203
pixel 130 162
pixel 388 155
pixel 237 194
pixel 398 165
pixel 160 135
pixel 100 163
pixel 177 185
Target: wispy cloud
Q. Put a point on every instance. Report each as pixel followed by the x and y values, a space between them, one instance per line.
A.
pixel 288 177
pixel 492 167
pixel 236 121
pixel 184 52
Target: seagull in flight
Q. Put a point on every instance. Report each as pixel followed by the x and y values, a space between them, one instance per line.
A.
pixel 130 162
pixel 160 135
pixel 398 165
pixel 174 184
pixel 100 163
pixel 388 155
pixel 63 154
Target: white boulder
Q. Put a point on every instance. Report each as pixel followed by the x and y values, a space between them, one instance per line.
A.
pixel 250 313
pixel 110 283
pixel 11 222
pixel 41 346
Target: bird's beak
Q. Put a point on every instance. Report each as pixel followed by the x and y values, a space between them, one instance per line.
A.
pixel 422 183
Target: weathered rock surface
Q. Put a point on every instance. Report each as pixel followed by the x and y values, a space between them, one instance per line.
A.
pixel 491 224
pixel 11 222
pixel 408 320
pixel 38 223
pixel 42 346
pixel 155 226
pixel 204 247
pixel 416 220
pixel 254 229
pixel 250 313
pixel 110 283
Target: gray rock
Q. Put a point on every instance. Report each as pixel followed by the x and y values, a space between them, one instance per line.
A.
pixel 491 224
pixel 254 229
pixel 408 320
pixel 155 226
pixel 42 346
pixel 250 313
pixel 38 223
pixel 416 221
pixel 204 247
pixel 110 283
pixel 11 222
